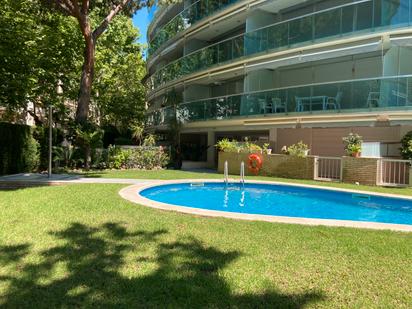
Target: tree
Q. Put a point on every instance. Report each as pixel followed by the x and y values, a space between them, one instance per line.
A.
pixel 37 51
pixel 118 91
pixel 82 10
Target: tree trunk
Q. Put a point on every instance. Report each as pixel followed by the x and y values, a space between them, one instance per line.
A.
pixel 86 81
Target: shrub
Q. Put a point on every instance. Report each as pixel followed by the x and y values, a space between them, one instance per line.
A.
pixel 88 138
pixel 117 157
pixel 137 158
pixel 19 151
pixel 248 147
pixel 41 134
pixel 148 158
pixel 299 150
pixel 225 145
pixel 406 148
pixel 149 140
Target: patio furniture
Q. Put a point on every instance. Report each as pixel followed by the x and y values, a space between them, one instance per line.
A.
pixel 278 105
pixel 373 99
pixel 402 96
pixel 265 107
pixel 302 102
pixel 334 101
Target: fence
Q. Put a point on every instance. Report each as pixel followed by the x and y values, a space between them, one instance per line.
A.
pixel 363 171
pixel 328 169
pixel 394 173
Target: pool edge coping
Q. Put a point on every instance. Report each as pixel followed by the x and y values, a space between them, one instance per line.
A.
pixel 132 194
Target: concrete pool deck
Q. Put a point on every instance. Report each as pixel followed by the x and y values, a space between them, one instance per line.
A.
pixel 57 179
pixel 131 194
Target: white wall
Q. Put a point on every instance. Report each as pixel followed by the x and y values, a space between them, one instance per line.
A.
pixel 258 19
pixel 320 72
pixel 259 80
pixel 228 88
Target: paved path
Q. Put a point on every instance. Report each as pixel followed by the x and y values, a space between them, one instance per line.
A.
pixel 33 178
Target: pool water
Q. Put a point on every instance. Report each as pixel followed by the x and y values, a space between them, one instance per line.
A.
pixel 284 200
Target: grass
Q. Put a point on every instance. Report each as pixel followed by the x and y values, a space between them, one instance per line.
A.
pixel 173 174
pixel 82 245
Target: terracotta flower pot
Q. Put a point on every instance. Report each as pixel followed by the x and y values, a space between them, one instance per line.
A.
pixel 356 154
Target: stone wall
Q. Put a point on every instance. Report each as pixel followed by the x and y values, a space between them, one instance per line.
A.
pixel 362 170
pixel 273 165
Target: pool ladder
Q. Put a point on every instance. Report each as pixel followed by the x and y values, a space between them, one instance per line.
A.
pixel 226 173
pixel 242 173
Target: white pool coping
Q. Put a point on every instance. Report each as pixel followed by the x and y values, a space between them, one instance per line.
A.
pixel 132 194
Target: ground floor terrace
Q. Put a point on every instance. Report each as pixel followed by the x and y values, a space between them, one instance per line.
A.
pixel 83 245
pixel 381 136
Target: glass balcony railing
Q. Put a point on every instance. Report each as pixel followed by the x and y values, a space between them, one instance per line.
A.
pixel 349 96
pixel 185 19
pixel 350 19
pixel 202 59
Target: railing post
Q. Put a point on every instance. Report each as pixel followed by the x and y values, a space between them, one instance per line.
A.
pixel 410 174
pixel 379 172
pixel 315 168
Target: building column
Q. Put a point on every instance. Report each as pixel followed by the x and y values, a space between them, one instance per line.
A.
pixel 273 139
pixel 211 150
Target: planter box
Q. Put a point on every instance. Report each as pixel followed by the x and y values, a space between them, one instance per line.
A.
pixel 362 170
pixel 276 165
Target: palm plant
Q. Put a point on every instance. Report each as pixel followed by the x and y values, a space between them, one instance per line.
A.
pixel 89 140
pixel 137 132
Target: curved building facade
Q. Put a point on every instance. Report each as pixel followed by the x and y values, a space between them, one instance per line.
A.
pixel 281 71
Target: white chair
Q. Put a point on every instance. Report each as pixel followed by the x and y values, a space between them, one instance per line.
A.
pixel 334 101
pixel 299 104
pixel 265 107
pixel 278 105
pixel 373 99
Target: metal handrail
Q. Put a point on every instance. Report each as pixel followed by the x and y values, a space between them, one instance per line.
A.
pixel 242 173
pixel 226 173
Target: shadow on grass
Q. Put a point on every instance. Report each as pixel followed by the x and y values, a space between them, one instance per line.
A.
pixel 98 273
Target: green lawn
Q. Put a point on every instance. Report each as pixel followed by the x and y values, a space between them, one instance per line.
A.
pixel 84 246
pixel 172 174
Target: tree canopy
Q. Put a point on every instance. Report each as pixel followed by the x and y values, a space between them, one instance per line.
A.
pixel 41 51
pixel 94 18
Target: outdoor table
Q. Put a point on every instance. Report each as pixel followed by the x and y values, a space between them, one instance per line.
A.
pixel 301 102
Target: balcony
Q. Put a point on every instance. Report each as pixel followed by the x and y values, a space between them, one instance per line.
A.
pixel 349 97
pixel 189 16
pixel 344 21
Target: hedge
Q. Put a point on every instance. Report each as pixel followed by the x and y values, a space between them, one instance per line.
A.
pixel 18 149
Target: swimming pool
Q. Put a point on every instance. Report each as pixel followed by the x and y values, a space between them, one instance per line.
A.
pixel 284 201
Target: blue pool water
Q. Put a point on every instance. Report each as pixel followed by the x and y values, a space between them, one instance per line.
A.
pixel 284 200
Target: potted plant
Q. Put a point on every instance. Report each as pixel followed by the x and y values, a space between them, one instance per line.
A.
pixel 266 148
pixel 353 145
pixel 300 150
